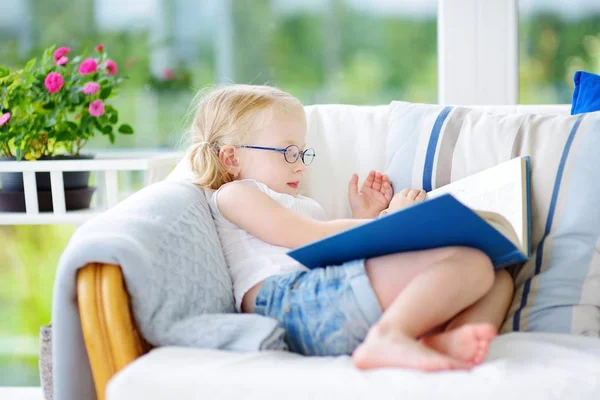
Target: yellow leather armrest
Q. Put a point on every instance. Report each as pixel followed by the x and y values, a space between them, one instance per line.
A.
pixel 109 332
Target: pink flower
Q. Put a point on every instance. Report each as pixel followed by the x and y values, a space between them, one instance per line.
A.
pixel 54 82
pixel 96 108
pixel 60 52
pixel 168 74
pixel 88 66
pixel 62 61
pixel 111 67
pixel 4 118
pixel 100 48
pixel 90 88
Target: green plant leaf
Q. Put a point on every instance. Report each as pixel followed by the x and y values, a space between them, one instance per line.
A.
pixel 19 154
pixel 104 93
pixel 114 117
pixel 4 71
pixel 29 65
pixel 49 106
pixel 75 98
pixel 62 136
pixel 111 137
pixel 126 129
pixel 107 129
pixel 48 52
pixel 97 124
pixel 110 112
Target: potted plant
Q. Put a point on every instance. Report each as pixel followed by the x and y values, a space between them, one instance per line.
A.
pixel 48 111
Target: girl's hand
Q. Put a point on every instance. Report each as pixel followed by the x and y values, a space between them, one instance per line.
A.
pixel 374 196
pixel 406 198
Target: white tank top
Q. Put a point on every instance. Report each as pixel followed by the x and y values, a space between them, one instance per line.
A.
pixel 250 259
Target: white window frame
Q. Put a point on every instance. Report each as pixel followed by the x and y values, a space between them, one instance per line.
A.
pixel 478 52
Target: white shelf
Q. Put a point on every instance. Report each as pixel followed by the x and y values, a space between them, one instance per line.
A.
pixel 21 393
pixel 48 218
pixel 103 162
pixel 156 165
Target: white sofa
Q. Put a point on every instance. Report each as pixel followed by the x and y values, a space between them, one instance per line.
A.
pixel 519 366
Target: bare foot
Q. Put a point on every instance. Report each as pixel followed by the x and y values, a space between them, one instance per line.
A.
pixel 468 343
pixel 380 351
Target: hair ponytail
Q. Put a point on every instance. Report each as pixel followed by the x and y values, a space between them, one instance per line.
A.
pixel 207 168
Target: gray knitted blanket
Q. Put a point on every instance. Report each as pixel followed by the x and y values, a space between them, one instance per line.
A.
pixel 165 241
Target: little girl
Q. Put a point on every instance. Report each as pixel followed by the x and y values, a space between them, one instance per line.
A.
pixel 430 310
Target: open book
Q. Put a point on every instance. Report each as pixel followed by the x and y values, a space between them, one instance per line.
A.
pixel 500 195
pixel 499 226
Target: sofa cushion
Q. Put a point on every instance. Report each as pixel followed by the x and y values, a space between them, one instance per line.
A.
pixel 519 366
pixel 586 94
pixel 558 289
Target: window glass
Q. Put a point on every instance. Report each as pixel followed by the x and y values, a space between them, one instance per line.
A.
pixel 322 51
pixel 556 38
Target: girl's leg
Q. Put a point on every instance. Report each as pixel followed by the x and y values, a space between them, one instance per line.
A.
pixel 418 292
pixel 489 311
pixel 492 308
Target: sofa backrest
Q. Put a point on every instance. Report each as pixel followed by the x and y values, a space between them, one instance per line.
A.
pixel 348 139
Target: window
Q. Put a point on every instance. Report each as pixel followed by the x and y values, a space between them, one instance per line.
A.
pixel 331 51
pixel 556 38
pixel 322 51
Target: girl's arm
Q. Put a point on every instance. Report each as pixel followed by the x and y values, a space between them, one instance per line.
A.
pixel 261 216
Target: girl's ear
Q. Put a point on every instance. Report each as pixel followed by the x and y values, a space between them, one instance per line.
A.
pixel 229 159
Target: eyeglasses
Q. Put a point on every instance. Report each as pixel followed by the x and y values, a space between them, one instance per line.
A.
pixel 290 153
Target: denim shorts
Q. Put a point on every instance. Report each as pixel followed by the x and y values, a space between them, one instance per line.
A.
pixel 324 311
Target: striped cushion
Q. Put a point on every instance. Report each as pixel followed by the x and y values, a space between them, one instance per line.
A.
pixel 558 289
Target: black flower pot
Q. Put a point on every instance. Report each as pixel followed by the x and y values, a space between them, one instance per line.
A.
pixel 78 194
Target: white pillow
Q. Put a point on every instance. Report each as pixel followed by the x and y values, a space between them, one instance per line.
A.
pixel 347 139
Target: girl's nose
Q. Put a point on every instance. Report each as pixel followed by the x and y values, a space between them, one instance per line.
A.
pixel 299 166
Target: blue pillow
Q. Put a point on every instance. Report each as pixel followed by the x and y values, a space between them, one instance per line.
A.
pixel 586 95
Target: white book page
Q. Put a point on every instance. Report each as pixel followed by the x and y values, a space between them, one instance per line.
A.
pixel 498 189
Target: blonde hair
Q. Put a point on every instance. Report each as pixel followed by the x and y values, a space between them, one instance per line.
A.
pixel 227 116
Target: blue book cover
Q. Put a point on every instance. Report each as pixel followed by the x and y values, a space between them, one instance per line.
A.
pixel 439 222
